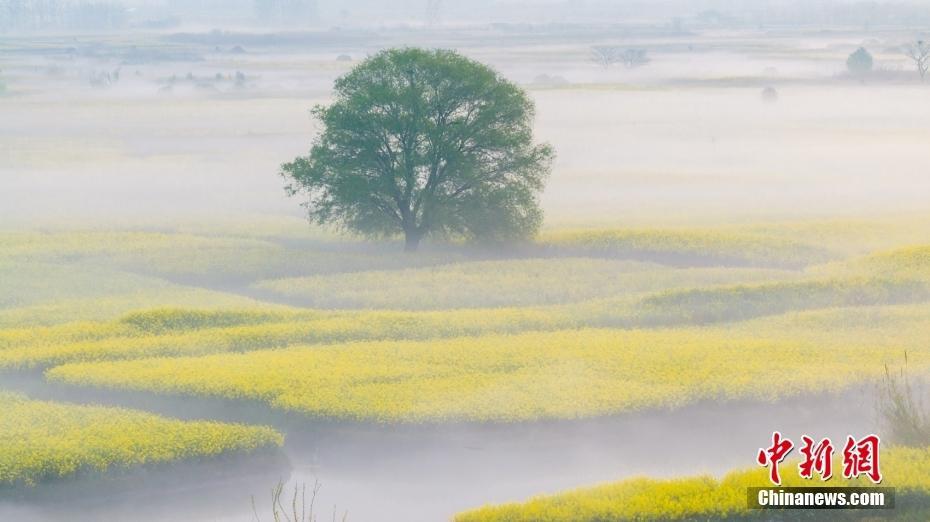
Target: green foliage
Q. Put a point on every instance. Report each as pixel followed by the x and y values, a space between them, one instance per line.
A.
pixel 901 407
pixel 424 142
pixel 859 62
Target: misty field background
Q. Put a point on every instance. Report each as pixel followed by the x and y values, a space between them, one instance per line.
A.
pixel 713 267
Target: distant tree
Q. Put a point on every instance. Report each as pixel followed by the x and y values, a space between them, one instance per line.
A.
pixel 550 80
pixel 424 142
pixel 31 15
pixel 433 12
pixel 606 56
pixel 919 53
pixel 769 95
pixel 633 58
pixel 860 62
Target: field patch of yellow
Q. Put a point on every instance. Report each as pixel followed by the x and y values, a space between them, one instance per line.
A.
pixel 707 498
pixel 911 261
pixel 178 255
pixel 527 376
pixel 185 332
pixel 122 340
pixel 42 440
pixel 690 245
pixel 513 282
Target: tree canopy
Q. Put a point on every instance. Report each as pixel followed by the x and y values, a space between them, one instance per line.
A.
pixel 860 62
pixel 424 142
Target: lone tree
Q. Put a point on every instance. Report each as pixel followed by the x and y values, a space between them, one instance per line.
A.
pixel 919 53
pixel 860 62
pixel 606 56
pixel 424 142
pixel 633 58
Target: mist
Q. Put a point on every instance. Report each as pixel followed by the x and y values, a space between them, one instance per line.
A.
pixel 730 185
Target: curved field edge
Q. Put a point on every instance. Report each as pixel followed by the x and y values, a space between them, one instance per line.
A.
pixel 707 498
pixel 690 246
pixel 44 441
pixel 171 332
pixel 503 283
pixel 538 375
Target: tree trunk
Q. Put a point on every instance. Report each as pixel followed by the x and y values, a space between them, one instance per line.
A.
pixel 411 241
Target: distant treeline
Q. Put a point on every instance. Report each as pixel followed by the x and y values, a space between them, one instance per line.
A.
pixel 675 15
pixel 95 15
pixel 33 15
pixel 863 13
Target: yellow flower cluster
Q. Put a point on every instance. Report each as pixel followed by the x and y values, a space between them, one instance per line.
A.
pixel 704 498
pixel 41 440
pixel 168 320
pixel 547 351
pixel 514 282
pixel 734 246
pixel 25 351
pixel 894 277
pixel 905 262
pixel 174 332
pixel 740 302
pixel 535 375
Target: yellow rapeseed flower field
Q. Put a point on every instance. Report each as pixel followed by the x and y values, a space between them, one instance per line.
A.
pixel 513 282
pixel 24 350
pixel 706 498
pixel 534 375
pixel 578 337
pixel 32 348
pixel 883 279
pixel 42 440
pixel 707 244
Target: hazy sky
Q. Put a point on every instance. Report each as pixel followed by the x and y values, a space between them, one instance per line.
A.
pixel 207 14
